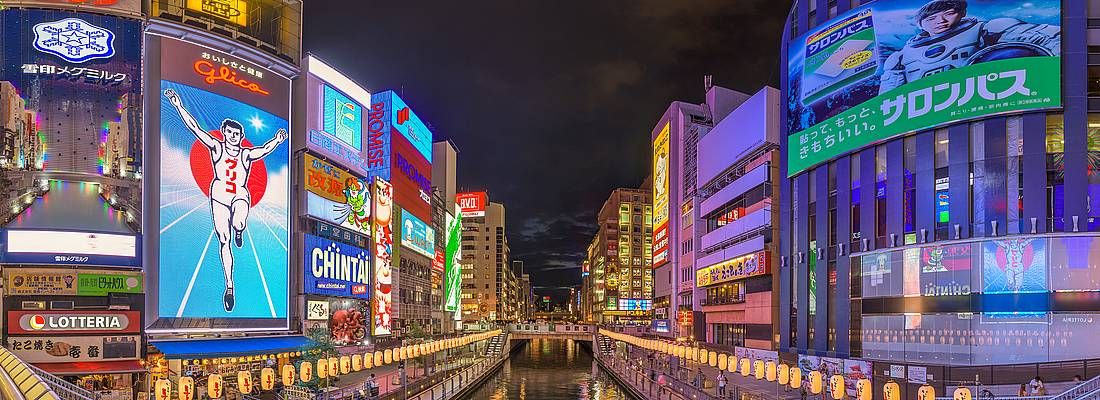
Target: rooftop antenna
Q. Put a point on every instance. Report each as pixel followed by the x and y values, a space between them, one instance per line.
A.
pixel 708 82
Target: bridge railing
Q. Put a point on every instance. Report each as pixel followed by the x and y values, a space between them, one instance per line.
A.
pixel 552 328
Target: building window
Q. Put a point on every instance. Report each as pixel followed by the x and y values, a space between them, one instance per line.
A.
pixel 942 189
pixel 728 293
pixel 1055 173
pixel 728 334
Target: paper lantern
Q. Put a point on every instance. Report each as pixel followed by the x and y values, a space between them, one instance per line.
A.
pixel 723 361
pixel 701 355
pixel 784 374
pixel 836 387
pixel 244 382
pixel 306 371
pixel 345 365
pixel 769 371
pixel 288 375
pixel 961 394
pixel 863 389
pixel 333 367
pixel 186 388
pixel 378 360
pixel 356 362
pixel 891 391
pixel 163 389
pixel 796 378
pixel 926 392
pixel 733 362
pixel 758 369
pixel 322 368
pixel 712 359
pixel 387 356
pixel 815 382
pixel 745 368
pixel 214 386
pixel 267 378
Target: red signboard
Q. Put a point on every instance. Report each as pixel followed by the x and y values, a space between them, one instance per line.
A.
pixel 73 322
pixel 440 261
pixel 411 178
pixel 472 204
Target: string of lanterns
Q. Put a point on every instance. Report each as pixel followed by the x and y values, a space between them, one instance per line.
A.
pixel 326 367
pixel 773 372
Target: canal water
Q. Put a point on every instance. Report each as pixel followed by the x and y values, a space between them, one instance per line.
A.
pixel 550 369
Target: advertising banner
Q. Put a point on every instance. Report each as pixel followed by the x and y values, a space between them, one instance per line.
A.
pixel 338 234
pixel 439 262
pixel 79 75
pixel 383 257
pixel 224 187
pixel 472 204
pixel 348 321
pixel 71 282
pixel 317 310
pixel 1014 266
pixel 897 66
pixel 742 267
pixel 336 118
pixel 335 195
pixel 397 141
pixel 335 269
pixel 130 7
pixel 661 165
pixel 452 280
pixel 40 349
pixel 412 179
pixel 73 322
pixel 417 235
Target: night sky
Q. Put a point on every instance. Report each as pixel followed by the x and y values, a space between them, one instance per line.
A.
pixel 550 103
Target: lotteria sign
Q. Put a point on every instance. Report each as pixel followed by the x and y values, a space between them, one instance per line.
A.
pixel 67 322
pixel 336 269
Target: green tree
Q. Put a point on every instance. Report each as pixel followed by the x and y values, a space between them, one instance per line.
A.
pixel 320 346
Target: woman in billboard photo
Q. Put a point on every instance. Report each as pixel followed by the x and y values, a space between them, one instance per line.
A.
pixel 230 200
pixel 383 241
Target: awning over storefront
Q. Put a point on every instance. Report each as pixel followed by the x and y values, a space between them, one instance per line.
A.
pixel 92 367
pixel 207 348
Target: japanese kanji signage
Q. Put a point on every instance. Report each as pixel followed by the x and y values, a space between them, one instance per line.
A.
pixel 68 282
pixel 47 349
pixel 897 66
pixel 335 195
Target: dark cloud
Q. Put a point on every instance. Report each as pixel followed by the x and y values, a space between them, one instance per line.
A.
pixel 549 102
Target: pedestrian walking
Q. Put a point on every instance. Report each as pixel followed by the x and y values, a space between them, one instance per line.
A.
pixel 722 383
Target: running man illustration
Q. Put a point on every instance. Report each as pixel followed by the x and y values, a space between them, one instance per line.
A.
pixel 230 200
pixel 949 39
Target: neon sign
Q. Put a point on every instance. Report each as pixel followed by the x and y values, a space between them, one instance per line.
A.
pixel 225 74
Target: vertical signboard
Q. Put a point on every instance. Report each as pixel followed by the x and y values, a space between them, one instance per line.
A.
pixel 452 281
pixel 224 197
pixel 383 257
pixel 336 196
pixel 399 151
pixel 661 164
pixel 70 137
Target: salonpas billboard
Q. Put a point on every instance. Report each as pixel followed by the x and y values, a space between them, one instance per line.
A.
pixel 897 66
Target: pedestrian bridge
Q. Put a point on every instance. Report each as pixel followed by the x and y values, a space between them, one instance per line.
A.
pixel 552 331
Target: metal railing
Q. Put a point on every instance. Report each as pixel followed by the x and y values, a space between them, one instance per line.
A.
pixel 64 389
pixel 19 382
pixel 1090 387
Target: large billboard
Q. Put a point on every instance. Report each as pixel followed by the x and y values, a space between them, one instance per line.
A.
pixel 399 151
pixel 336 117
pixel 335 269
pixel 416 235
pixel 336 196
pixel 472 204
pixel 382 304
pixel 70 137
pixel 224 189
pixel 897 66
pixel 661 164
pixel 452 279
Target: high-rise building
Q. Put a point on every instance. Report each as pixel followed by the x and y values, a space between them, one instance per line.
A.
pixel 619 257
pixel 488 284
pixel 938 203
pixel 734 278
pixel 674 160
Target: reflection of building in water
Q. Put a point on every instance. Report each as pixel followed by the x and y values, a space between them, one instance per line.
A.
pixel 19 144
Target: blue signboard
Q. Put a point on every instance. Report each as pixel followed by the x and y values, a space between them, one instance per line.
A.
pixel 343 118
pixel 404 120
pixel 335 269
pixel 660 325
pixel 416 235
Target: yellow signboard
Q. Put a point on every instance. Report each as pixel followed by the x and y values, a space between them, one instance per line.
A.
pixel 235 11
pixel 661 166
pixel 327 180
pixel 742 267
